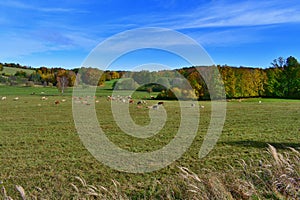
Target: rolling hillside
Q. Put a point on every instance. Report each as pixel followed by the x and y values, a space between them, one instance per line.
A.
pixel 13 70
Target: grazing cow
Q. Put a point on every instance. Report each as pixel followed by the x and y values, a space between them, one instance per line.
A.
pixel 63 100
pixel 155 107
pixel 131 101
pixel 77 101
pixel 259 101
pixel 3 98
pixel 56 102
pixel 202 106
pixel 139 103
pixel 16 98
pixel 160 103
pixel 44 98
pixel 192 105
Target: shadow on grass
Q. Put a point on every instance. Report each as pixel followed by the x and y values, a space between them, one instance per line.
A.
pixel 260 144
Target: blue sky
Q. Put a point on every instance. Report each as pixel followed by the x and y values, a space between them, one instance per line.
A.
pixel 62 33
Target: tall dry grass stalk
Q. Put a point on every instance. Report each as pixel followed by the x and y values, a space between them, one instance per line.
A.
pixel 283 173
pixel 19 188
pixel 275 176
pixel 86 191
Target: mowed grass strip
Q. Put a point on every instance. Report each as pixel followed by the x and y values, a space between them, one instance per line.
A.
pixel 40 147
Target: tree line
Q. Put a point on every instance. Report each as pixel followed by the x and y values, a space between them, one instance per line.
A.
pixel 280 80
pixel 57 77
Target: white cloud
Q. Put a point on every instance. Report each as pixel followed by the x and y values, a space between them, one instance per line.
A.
pixel 225 22
pixel 242 14
pixel 33 42
pixel 215 14
pixel 224 14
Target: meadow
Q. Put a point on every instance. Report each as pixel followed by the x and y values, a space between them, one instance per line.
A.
pixel 42 152
pixel 13 70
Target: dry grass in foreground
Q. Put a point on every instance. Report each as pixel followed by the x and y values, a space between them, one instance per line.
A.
pixel 276 176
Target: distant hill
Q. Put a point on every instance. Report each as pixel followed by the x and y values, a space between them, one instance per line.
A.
pixel 13 70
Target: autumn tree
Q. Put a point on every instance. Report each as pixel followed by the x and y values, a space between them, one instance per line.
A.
pixel 114 75
pixel 62 80
pixel 65 78
pixel 260 80
pixel 229 79
pixel 196 82
pixel 91 76
pixel 102 80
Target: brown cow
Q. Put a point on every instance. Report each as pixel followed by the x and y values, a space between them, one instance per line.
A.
pixel 131 101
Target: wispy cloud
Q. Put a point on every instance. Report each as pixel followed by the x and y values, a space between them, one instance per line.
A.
pixel 224 38
pixel 224 22
pixel 26 6
pixel 243 13
pixel 225 14
pixel 16 47
pixel 44 41
pixel 41 26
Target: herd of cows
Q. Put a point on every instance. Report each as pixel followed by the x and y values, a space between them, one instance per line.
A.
pixel 87 100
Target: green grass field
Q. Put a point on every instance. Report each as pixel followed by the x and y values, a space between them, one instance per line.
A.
pixel 40 147
pixel 12 70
